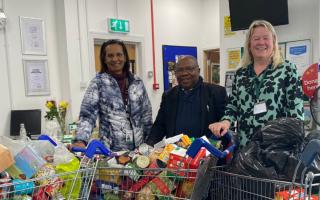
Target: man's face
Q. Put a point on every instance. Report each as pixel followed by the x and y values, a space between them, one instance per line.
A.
pixel 187 73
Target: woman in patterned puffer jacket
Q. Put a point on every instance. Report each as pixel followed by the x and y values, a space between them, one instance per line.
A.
pixel 119 99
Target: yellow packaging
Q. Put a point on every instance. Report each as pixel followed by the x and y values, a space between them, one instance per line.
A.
pixel 164 156
pixel 186 140
pixel 146 194
pixel 109 175
pixel 154 155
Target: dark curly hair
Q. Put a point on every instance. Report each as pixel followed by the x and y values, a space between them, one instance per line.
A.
pixel 103 54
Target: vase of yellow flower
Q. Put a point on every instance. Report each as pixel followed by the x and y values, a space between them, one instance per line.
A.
pixel 56 119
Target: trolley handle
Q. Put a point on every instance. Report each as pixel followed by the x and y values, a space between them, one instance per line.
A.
pixel 199 142
pixel 94 147
pixel 46 137
pixel 309 153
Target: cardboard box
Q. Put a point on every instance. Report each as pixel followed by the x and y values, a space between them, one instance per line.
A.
pixel 6 158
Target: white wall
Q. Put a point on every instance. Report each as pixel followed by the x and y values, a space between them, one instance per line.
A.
pixel 210 23
pixel 303 24
pixel 5 105
pixel 12 75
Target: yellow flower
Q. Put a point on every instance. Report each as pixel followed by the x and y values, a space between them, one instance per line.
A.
pixel 50 104
pixel 64 105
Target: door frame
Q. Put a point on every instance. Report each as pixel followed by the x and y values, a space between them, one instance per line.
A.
pixel 100 37
pixel 204 62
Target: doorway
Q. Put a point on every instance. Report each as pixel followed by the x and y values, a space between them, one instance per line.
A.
pixel 211 63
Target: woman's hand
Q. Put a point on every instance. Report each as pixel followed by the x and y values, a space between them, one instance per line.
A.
pixel 219 128
pixel 78 143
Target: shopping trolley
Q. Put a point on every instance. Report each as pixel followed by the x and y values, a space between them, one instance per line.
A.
pixel 88 166
pixel 226 185
pixel 74 184
pixel 159 181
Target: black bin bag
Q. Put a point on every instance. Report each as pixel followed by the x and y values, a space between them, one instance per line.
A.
pixel 272 153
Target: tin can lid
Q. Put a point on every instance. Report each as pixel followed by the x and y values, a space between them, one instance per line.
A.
pixel 144 149
pixel 142 161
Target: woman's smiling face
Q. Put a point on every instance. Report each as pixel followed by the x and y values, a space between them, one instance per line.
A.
pixel 261 43
pixel 115 58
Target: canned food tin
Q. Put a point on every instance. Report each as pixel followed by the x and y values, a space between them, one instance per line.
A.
pixel 144 149
pixel 142 161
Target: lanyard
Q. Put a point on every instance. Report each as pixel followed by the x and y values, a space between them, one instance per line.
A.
pixel 258 84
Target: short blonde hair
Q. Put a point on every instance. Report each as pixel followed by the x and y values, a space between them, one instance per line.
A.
pixel 277 58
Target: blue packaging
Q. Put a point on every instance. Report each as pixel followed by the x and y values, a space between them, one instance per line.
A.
pixel 23 187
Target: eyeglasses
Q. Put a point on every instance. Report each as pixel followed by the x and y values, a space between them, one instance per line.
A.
pixel 188 69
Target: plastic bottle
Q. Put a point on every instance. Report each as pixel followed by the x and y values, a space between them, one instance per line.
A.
pixel 23 132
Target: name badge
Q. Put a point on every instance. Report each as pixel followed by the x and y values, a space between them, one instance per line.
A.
pixel 260 107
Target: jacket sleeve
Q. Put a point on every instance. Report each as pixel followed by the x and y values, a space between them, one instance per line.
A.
pixel 294 94
pixel 221 101
pixel 158 128
pixel 146 114
pixel 231 111
pixel 88 112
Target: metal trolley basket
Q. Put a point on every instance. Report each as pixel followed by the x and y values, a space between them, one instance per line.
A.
pixel 156 182
pixel 226 185
pixel 74 184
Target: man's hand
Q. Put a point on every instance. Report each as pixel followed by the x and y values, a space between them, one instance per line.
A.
pixel 219 128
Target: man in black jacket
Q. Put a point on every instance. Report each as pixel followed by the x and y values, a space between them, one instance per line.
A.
pixel 190 107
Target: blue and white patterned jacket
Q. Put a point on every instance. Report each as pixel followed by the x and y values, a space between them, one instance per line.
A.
pixel 103 99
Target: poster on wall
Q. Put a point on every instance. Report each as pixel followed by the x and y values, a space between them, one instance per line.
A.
pixel 171 55
pixel 299 52
pixel 229 81
pixel 234 58
pixel 227 27
pixel 282 48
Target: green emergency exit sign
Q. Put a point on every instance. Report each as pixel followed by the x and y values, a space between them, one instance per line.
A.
pixel 119 25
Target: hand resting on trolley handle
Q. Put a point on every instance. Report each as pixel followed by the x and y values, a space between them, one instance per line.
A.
pixel 203 179
pixel 311 150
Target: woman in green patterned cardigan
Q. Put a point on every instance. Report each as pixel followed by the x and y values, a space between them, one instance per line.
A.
pixel 265 88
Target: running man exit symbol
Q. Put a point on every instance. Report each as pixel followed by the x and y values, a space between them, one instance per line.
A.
pixel 118 25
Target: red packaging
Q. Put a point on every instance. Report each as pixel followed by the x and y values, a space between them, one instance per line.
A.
pixel 178 162
pixel 126 183
pixel 139 185
pixel 40 195
pixel 154 168
pixel 53 187
pixel 195 162
pixel 161 185
pixel 293 195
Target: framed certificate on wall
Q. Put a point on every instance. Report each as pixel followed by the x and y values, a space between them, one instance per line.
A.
pixel 36 77
pixel 33 40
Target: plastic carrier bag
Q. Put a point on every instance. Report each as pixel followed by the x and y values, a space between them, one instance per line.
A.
pixel 72 166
